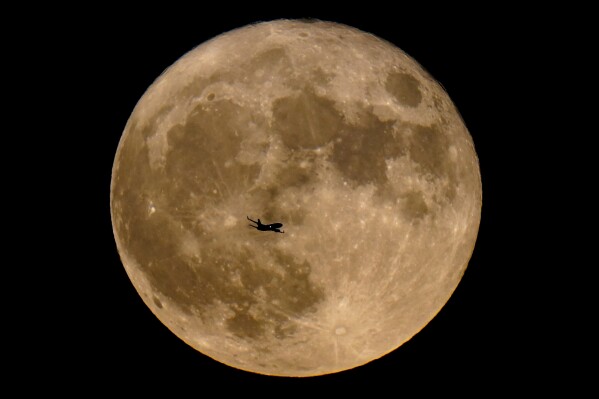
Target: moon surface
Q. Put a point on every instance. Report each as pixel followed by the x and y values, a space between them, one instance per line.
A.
pixel 335 133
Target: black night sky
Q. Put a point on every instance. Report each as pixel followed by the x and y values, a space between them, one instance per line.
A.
pixel 487 339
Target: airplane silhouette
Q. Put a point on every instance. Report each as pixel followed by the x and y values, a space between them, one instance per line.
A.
pixel 266 227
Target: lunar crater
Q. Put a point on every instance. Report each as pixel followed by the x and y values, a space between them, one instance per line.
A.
pixel 405 88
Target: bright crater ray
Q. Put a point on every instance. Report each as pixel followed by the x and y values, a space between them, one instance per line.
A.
pixel 333 132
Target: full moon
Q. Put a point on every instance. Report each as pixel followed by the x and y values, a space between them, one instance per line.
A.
pixel 336 134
